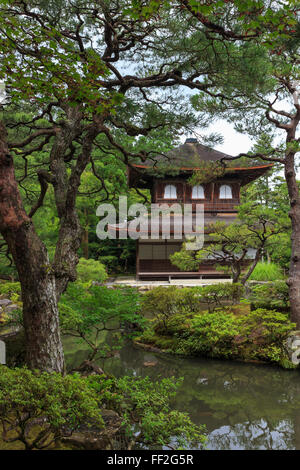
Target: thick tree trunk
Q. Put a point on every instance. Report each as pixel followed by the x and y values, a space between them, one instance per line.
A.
pixel 40 311
pixel 294 273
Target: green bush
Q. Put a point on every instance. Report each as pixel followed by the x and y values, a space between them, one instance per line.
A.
pixel 216 294
pixel 266 272
pixel 147 414
pixel 38 409
pixel 258 335
pixel 10 288
pixel 273 294
pixel 211 334
pixel 111 263
pixel 91 270
pixel 163 303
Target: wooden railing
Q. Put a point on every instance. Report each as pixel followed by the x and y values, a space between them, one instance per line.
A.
pixel 209 206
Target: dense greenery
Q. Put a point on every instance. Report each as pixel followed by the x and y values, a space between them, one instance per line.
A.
pixel 236 248
pixel 87 311
pixel 147 405
pixel 39 409
pixel 270 295
pixel 222 332
pixel 91 270
pixel 164 302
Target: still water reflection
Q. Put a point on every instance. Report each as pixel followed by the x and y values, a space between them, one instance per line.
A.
pixel 244 406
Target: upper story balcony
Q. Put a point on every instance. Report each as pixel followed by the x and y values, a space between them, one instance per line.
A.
pixel 228 205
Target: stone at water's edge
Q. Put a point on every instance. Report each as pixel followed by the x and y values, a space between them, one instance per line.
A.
pixel 292 346
pixel 15 347
pixel 2 352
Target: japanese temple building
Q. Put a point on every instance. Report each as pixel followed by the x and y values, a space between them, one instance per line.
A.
pixel 166 176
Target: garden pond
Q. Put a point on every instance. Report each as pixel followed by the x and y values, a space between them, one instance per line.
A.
pixel 244 406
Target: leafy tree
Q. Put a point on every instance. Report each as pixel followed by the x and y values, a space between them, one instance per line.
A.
pixel 229 244
pixel 40 409
pixel 268 105
pixel 88 311
pixel 273 294
pixel 271 191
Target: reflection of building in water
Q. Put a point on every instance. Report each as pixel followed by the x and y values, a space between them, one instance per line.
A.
pixel 259 435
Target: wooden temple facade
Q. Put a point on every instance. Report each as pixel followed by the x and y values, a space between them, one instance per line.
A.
pixel 167 178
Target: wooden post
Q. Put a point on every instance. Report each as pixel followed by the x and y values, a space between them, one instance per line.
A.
pixel 137 266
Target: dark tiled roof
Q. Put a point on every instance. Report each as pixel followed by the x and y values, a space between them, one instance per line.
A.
pixel 192 155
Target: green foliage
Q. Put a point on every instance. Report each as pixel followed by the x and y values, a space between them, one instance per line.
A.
pixel 229 244
pixel 91 270
pixel 184 260
pixel 39 408
pixel 148 405
pixel 213 334
pixel 221 333
pixel 88 310
pixel 12 291
pixel 111 262
pixel 259 335
pixel 273 294
pixel 165 304
pixel 209 171
pixel 216 294
pixel 266 272
pixel 9 289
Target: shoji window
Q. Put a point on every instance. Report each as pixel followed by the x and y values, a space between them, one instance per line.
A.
pixel 225 192
pixel 170 192
pixel 198 192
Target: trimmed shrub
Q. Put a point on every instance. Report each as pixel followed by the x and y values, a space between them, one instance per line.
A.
pixel 164 303
pixel 216 294
pixel 171 306
pixel 271 295
pixel 91 270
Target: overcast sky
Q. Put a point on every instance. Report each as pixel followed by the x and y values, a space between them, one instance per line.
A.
pixel 234 142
